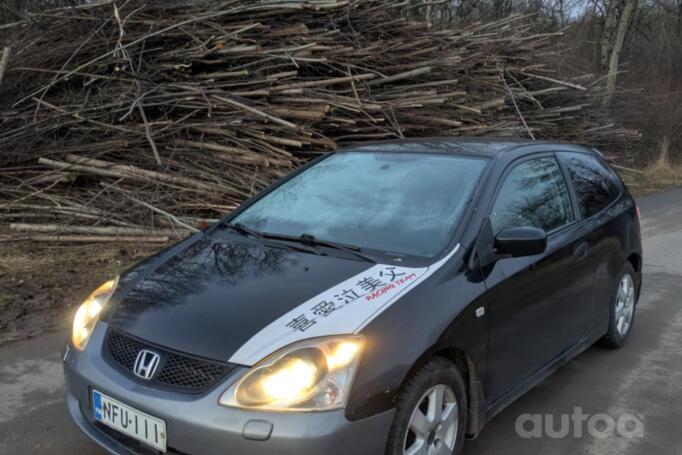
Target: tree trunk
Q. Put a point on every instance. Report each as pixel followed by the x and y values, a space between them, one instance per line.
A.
pixel 610 22
pixel 562 12
pixel 498 9
pixel 463 9
pixel 679 17
pixel 614 59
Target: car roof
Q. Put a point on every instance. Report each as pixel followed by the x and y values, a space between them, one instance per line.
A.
pixel 488 147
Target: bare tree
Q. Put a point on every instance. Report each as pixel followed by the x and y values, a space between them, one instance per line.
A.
pixel 502 8
pixel 614 59
pixel 611 11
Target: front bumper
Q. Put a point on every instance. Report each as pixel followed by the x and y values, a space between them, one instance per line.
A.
pixel 196 424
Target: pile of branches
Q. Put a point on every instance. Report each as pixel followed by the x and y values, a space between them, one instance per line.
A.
pixel 134 120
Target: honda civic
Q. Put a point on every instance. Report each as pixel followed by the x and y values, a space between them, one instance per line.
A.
pixel 387 298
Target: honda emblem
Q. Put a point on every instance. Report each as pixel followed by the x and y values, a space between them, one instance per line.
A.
pixel 146 364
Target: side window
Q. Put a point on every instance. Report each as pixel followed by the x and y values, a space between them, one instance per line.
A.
pixel 534 194
pixel 596 186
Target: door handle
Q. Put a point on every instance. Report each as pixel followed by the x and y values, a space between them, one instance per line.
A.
pixel 580 251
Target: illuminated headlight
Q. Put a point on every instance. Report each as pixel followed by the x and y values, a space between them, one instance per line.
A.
pixel 314 375
pixel 88 313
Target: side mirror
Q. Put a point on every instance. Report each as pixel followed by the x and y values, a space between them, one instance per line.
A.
pixel 521 241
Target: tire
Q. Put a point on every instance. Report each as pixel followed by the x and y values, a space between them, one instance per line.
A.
pixel 438 377
pixel 621 310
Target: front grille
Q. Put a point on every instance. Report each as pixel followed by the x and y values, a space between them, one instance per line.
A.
pixel 123 349
pixel 176 371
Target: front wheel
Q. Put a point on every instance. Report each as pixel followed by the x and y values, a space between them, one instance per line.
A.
pixel 621 310
pixel 431 413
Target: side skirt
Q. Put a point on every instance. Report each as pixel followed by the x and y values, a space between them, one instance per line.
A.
pixel 497 404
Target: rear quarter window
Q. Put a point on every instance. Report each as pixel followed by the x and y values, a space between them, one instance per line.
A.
pixel 596 185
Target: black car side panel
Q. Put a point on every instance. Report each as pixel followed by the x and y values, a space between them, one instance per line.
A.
pixel 538 308
pixel 440 314
pixel 612 240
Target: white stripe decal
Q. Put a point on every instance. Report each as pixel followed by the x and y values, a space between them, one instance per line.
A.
pixel 342 309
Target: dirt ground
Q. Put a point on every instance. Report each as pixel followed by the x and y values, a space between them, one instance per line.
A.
pixel 42 284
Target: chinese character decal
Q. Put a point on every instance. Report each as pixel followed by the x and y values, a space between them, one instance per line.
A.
pixel 370 284
pixel 301 323
pixel 390 273
pixel 373 286
pixel 347 296
pixel 324 308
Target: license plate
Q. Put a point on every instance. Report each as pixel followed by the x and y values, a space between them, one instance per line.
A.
pixel 129 421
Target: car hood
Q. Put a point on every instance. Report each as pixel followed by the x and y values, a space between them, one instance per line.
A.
pixel 224 297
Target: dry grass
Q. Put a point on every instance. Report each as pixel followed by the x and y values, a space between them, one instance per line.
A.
pixel 660 175
pixel 662 172
pixel 662 167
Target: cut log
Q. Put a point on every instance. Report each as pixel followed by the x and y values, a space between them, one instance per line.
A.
pixel 95 230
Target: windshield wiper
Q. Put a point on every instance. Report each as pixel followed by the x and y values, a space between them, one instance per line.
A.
pixel 261 235
pixel 309 239
pixel 305 239
pixel 243 230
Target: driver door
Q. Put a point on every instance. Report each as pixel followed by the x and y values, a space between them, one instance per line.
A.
pixel 537 307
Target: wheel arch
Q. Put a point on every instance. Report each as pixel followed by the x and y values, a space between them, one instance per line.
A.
pixel 474 390
pixel 636 260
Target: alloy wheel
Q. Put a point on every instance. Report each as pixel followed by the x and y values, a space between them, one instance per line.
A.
pixel 433 425
pixel 625 304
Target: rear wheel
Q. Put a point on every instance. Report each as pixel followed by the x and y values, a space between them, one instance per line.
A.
pixel 431 413
pixel 621 310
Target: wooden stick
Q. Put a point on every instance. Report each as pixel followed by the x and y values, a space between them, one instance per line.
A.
pixel 237 155
pixel 4 60
pixel 325 82
pixel 170 216
pixel 148 133
pixel 13 24
pixel 79 117
pixel 220 75
pixel 315 113
pixel 397 77
pixel 96 230
pixel 255 111
pixel 626 169
pixel 93 239
pixel 554 81
pixel 516 106
pixel 212 146
pixel 128 171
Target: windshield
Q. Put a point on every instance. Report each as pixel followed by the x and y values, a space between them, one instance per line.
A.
pixel 404 203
